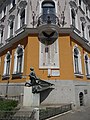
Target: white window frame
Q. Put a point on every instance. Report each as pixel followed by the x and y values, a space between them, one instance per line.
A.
pixel 79 60
pixel 4 13
pixel 21 25
pixel 11 20
pixel 9 34
pixel 83 21
pixel 5 64
pixel 76 15
pixel 1 38
pixel 72 18
pixel 82 5
pixel 88 65
pixel 40 8
pixel 20 10
pixel 15 60
pixel 11 4
pixel 88 34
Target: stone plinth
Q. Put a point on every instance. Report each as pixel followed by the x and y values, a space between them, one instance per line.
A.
pixel 30 99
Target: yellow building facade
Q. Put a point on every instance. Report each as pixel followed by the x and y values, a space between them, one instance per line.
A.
pixel 53 37
pixel 31 47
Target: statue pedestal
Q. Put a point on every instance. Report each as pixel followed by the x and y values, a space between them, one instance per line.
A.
pixel 30 99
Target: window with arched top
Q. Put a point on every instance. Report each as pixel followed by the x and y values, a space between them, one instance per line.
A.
pixel 73 15
pixel 21 13
pixel 7 64
pixel 18 60
pixel 77 61
pixel 12 4
pixel 80 2
pixel 87 65
pixel 48 7
pixel 81 98
pixel 1 36
pixel 11 28
pixel 48 11
pixel 22 18
pixel 83 29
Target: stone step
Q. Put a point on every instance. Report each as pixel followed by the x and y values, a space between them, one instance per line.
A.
pixel 24 111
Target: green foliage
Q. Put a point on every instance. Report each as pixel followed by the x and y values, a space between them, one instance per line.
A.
pixel 7 105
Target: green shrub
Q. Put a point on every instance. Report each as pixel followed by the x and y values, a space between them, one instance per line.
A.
pixel 7 105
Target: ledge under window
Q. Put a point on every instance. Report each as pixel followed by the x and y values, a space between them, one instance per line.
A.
pixel 85 39
pixel 1 44
pixel 21 29
pixel 12 9
pixel 5 77
pixel 78 74
pixel 3 18
pixel 9 39
pixel 76 29
pixel 88 18
pixel 81 10
pixel 17 75
pixel 88 76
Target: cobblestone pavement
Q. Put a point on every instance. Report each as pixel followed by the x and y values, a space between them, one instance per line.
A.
pixel 80 114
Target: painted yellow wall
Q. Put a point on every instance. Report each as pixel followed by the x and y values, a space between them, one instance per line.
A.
pixel 65 59
pixel 12 49
pixel 82 51
pixel 31 59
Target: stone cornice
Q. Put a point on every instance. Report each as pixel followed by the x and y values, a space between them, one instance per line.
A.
pixel 34 31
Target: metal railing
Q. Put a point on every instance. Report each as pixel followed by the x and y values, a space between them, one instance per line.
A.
pixel 31 115
pixel 48 19
pixel 52 111
pixel 17 115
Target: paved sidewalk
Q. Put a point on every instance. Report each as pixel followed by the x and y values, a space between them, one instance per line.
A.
pixel 81 114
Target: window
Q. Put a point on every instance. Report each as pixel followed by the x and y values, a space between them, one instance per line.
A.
pixel 7 64
pixel 82 5
pixel 80 2
pixel 88 27
pixel 77 61
pixel 73 17
pixel 87 12
pixel 18 61
pixel 89 33
pixel 1 36
pixel 81 99
pixel 87 65
pixel 0 67
pixel 12 4
pixel 83 29
pixel 11 22
pixel 22 18
pixel 4 12
pixel 11 28
pixel 48 11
